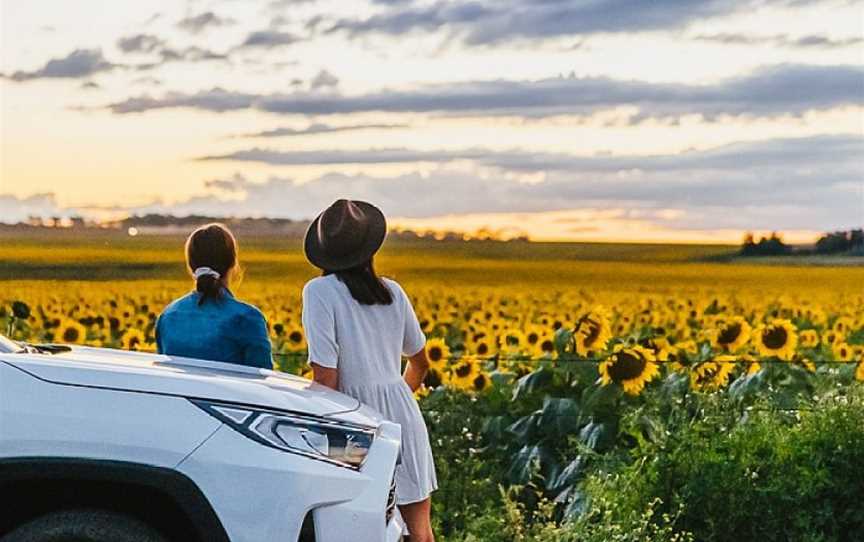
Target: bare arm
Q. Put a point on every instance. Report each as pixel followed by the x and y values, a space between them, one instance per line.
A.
pixel 325 376
pixel 415 371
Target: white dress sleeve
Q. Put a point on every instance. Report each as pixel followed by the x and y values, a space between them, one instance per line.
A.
pixel 319 324
pixel 413 339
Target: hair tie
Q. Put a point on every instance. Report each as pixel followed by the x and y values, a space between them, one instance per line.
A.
pixel 205 271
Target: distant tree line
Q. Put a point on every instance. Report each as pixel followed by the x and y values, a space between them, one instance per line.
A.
pixel 156 224
pixel 767 246
pixel 840 242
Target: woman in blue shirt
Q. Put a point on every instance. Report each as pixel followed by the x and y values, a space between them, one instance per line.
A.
pixel 209 323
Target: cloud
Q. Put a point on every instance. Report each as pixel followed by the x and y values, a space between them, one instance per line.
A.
pixel 814 41
pixel 323 79
pixel 140 43
pixel 268 39
pixel 786 89
pixel 478 23
pixel 809 183
pixel 150 44
pixel 78 64
pixel 320 128
pixel 777 153
pixel 192 53
pixel 282 4
pixel 15 209
pixel 198 23
pixel 805 183
pixel 148 81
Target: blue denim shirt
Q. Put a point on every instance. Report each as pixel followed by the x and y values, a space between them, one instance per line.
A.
pixel 217 330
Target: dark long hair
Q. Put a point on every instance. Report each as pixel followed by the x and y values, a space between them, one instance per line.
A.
pixel 364 284
pixel 212 246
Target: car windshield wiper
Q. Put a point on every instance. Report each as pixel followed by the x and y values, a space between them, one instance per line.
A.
pixel 28 348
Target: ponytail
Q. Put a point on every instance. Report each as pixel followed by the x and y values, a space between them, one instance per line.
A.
pixel 211 254
pixel 208 283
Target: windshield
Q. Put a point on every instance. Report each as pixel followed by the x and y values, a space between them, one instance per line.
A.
pixel 7 346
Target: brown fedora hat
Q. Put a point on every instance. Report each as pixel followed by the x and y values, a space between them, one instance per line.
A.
pixel 345 235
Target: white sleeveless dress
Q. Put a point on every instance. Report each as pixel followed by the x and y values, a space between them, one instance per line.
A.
pixel 366 344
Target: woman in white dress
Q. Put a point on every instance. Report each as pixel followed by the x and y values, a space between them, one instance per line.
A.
pixel 358 326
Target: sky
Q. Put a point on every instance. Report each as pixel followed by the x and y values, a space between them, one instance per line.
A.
pixel 601 120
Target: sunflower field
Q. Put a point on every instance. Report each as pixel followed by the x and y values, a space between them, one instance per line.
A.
pixel 569 404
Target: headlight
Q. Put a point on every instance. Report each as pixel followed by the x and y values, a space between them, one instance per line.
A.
pixel 336 442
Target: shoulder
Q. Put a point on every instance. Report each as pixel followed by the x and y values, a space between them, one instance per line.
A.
pixel 319 286
pixel 180 303
pixel 395 288
pixel 247 310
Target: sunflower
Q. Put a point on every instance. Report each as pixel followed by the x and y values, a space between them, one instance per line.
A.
pixel 426 324
pixel 463 373
pixel 859 371
pixel 753 367
pixel 421 392
pixel 70 331
pixel 842 351
pixel 546 347
pixel 437 352
pixel 805 363
pixel 435 378
pixel 483 346
pixel 592 332
pixel 843 325
pixel 831 337
pixel 480 382
pixel 731 335
pixel 630 367
pixel 659 346
pixel 133 339
pixel 777 339
pixel 295 340
pixel 533 335
pixel 808 338
pixel 712 375
pixel 513 342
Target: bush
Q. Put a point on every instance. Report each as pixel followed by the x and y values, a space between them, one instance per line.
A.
pixel 777 476
pixel 468 497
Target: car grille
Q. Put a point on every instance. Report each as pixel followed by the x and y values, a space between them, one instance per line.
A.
pixel 391 502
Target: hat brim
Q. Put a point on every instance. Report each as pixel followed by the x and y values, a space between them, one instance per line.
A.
pixel 375 236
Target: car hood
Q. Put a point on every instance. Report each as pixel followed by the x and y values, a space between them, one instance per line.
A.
pixel 191 378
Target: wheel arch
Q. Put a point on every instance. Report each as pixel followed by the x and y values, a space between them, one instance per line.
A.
pixel 165 498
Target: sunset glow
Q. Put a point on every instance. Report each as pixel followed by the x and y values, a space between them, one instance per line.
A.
pixel 557 120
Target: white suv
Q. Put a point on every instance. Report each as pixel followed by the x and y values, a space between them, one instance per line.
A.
pixel 100 445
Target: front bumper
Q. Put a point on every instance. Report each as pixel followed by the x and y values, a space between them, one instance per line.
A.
pixel 263 494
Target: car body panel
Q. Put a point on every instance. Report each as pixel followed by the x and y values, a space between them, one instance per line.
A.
pixel 39 419
pixel 260 493
pixel 185 377
pixel 111 405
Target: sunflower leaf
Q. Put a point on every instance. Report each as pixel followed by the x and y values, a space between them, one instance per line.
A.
pixel 601 400
pixel 597 435
pixel 567 477
pixel 563 339
pixel 524 428
pixel 495 428
pixel 577 506
pixel 559 416
pixel 526 463
pixel 532 382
